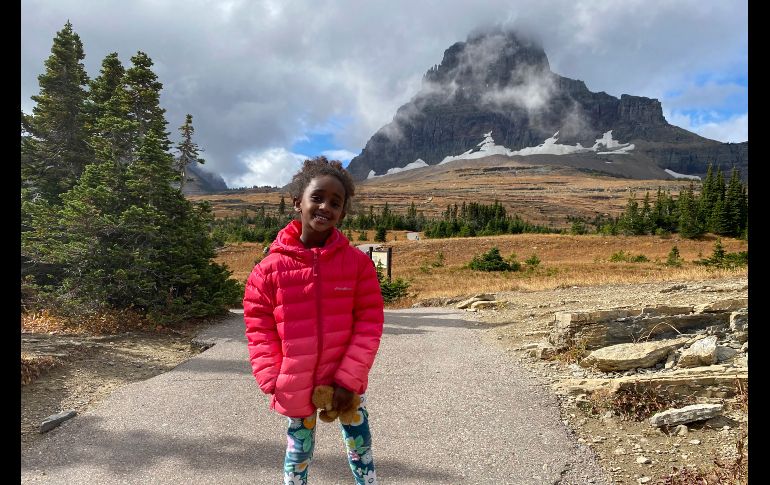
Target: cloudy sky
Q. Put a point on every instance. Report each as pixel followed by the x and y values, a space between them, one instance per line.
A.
pixel 272 82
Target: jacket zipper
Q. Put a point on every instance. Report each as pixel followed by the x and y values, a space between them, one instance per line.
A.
pixel 317 281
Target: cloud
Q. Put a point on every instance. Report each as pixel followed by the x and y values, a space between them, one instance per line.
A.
pixel 274 166
pixel 257 75
pixel 532 93
pixel 734 129
pixel 341 155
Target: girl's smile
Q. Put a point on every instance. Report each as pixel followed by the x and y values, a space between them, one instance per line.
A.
pixel 321 207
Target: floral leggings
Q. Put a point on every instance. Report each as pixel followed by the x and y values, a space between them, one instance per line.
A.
pixel 301 442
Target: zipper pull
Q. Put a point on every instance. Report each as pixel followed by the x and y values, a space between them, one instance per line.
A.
pixel 315 263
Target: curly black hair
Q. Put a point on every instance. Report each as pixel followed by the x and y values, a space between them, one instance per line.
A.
pixel 315 167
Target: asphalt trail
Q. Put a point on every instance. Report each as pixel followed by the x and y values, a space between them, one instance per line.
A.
pixel 446 406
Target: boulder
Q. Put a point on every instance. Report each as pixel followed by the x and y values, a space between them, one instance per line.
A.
pixel 631 355
pixel 702 352
pixel 467 303
pixel 687 414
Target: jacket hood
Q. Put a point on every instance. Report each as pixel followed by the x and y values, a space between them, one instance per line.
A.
pixel 288 242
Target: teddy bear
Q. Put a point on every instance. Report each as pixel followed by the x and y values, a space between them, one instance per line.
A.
pixel 323 400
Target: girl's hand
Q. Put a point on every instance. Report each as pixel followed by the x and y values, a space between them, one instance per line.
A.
pixel 343 399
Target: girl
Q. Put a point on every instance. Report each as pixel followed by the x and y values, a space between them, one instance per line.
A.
pixel 314 314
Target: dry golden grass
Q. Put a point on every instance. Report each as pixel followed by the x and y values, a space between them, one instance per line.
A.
pixel 565 261
pixel 34 365
pixel 95 324
pixel 240 258
pixel 544 195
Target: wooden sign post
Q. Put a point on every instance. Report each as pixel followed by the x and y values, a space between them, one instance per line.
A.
pixel 382 256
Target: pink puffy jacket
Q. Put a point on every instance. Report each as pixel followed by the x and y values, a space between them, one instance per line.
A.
pixel 313 316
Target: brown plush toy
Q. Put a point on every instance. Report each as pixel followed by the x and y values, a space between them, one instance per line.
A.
pixel 322 399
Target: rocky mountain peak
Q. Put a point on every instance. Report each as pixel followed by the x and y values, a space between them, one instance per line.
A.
pixel 489 59
pixel 500 82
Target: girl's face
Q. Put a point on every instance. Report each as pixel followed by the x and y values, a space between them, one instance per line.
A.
pixel 321 207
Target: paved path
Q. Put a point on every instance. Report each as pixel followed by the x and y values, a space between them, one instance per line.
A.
pixel 447 406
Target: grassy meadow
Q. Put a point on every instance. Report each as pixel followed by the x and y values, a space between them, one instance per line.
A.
pixel 565 260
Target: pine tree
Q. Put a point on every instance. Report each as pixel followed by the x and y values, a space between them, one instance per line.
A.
pixel 54 148
pixel 103 88
pixel 689 226
pixel 708 197
pixel 282 206
pixel 647 223
pixel 188 152
pixel 632 222
pixel 719 222
pixel 125 237
pixel 734 205
pixel 142 90
pixel 115 133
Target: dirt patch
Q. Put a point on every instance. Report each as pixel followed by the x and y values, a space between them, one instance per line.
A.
pixel 76 372
pixel 631 451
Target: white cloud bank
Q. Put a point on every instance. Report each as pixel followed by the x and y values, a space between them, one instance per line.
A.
pixel 274 167
pixel 734 129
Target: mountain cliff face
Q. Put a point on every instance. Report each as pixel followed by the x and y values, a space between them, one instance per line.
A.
pixel 200 182
pixel 501 83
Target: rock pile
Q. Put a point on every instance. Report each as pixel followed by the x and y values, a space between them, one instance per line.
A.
pixel 697 352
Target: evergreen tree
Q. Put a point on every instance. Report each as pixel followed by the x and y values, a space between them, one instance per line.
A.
pixel 282 206
pixel 103 88
pixel 142 90
pixel 735 205
pixel 114 133
pixel 708 197
pixel 647 225
pixel 188 152
pixel 689 225
pixel 54 147
pixel 674 258
pixel 719 222
pixel 125 237
pixel 632 220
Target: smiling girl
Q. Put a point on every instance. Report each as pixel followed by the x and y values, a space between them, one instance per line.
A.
pixel 314 314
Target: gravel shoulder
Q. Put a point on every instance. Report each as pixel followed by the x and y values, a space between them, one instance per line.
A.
pixel 619 443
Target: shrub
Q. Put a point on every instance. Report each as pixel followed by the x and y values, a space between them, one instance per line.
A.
pixel 619 257
pixel 624 257
pixel 491 261
pixel 674 259
pixel 721 259
pixel 574 353
pixel 533 261
pixel 578 227
pixel 634 403
pixel 391 290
